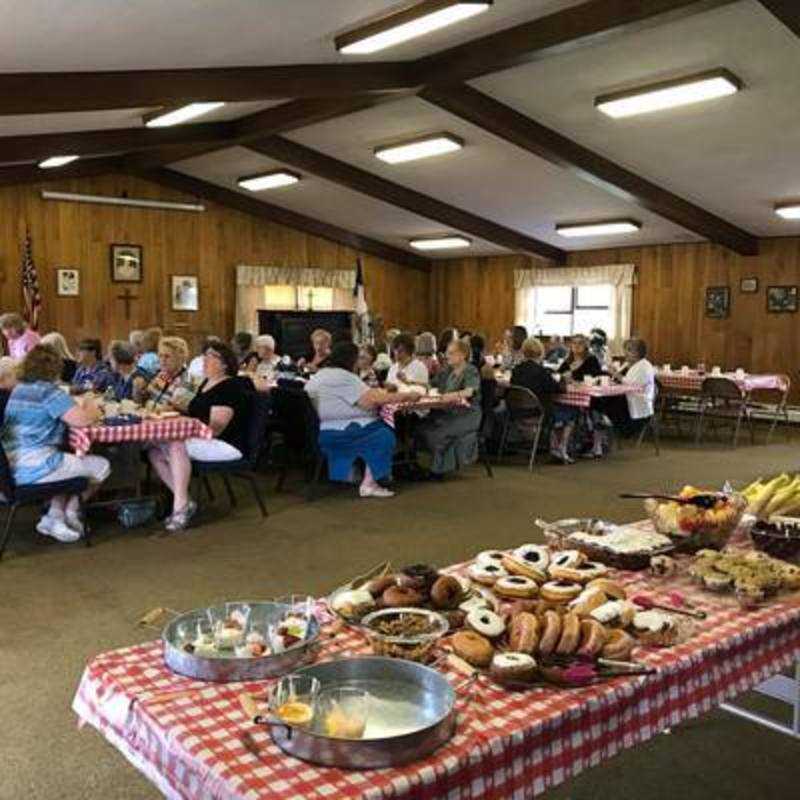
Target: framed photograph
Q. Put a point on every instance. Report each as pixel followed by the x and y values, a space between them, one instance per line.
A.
pixel 781 299
pixel 185 293
pixel 126 263
pixel 718 301
pixel 748 285
pixel 68 282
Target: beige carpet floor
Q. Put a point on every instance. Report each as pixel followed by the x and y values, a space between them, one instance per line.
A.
pixel 63 604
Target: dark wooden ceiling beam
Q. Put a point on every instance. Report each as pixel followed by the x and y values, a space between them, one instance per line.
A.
pixel 575 27
pixel 52 92
pixel 267 211
pixel 787 11
pixel 30 173
pixel 508 124
pixel 359 180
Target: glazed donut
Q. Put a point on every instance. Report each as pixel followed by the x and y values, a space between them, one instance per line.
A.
pixel 523 635
pixel 516 586
pixel 615 613
pixel 486 623
pixel 523 606
pixel 473 648
pixel 446 592
pixel 587 601
pixel 560 591
pixel 455 618
pixel 490 557
pixel 618 645
pixel 378 586
pixel 551 632
pixel 514 566
pixel 473 603
pixel 399 596
pixel 570 634
pixel 593 638
pixel 513 668
pixel 534 555
pixel 663 566
pixel 614 590
pixel 588 571
pixel 566 558
pixel 486 573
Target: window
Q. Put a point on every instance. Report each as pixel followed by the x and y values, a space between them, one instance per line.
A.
pixel 567 310
pixel 303 298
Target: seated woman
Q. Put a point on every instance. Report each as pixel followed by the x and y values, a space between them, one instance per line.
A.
pixel 195 368
pixel 531 373
pixel 172 385
pixel 367 355
pixel 556 350
pixel 148 360
pixel 59 344
pixel 445 337
pixel 477 346
pixel 405 368
pixel 450 435
pixel 33 432
pixel 242 346
pixel 92 374
pixel 128 380
pixel 321 349
pixel 20 339
pixel 426 352
pixel 263 361
pixel 221 404
pixel 349 422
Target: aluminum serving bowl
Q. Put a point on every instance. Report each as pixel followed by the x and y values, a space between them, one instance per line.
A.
pixel 555 532
pixel 412 647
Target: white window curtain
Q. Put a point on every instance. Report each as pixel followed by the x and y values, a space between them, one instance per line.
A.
pixel 251 282
pixel 622 277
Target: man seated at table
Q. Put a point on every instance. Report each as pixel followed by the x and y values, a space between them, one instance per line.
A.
pixel 406 369
pixel 33 432
pixel 92 374
pixel 128 381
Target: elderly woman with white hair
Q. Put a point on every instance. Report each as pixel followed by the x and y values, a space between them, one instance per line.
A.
pixel 263 361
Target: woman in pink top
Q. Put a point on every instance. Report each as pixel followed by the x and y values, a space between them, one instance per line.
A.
pixel 19 336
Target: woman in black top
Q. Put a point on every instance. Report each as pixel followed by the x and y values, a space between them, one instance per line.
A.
pixel 580 362
pixel 221 403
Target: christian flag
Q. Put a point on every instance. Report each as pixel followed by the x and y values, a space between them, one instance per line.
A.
pixel 358 291
pixel 30 284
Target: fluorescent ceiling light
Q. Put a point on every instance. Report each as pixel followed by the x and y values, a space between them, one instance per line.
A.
pixel 607 228
pixel 423 147
pixel 440 243
pixel 788 210
pixel 121 201
pixel 57 161
pixel 268 180
pixel 163 119
pixel 669 94
pixel 403 25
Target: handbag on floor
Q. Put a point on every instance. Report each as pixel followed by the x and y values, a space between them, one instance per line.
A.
pixel 136 513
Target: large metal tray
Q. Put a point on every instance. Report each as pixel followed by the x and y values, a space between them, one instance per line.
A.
pixel 412 713
pixel 226 669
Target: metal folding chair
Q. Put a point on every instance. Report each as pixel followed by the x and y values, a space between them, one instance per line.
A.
pixel 721 399
pixel 525 416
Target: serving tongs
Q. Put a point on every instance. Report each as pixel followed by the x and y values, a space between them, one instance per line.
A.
pixel 703 500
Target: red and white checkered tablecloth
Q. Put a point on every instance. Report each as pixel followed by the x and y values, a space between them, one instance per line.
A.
pixel 427 403
pixel 507 744
pixel 160 430
pixel 693 381
pixel 580 396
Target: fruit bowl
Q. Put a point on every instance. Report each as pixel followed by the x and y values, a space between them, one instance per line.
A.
pixel 692 528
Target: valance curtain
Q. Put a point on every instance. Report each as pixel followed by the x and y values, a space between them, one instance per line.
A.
pixel 252 280
pixel 622 277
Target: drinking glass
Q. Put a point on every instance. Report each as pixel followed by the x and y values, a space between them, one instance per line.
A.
pixel 294 699
pixel 344 712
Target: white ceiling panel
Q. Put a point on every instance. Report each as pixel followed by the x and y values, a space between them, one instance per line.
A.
pixel 489 177
pixel 734 156
pixel 324 201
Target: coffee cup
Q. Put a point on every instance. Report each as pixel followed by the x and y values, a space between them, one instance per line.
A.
pixel 588 380
pixel 667 367
pixel 605 380
pixel 685 370
pixel 716 370
pixel 740 373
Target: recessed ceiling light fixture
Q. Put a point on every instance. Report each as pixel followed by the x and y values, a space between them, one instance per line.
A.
pixel 440 243
pixel 788 210
pixel 409 23
pixel 268 180
pixel 669 94
pixel 163 118
pixel 608 227
pixel 57 161
pixel 422 147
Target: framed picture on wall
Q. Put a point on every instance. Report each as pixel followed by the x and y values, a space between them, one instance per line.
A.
pixel 126 263
pixel 748 285
pixel 781 299
pixel 718 301
pixel 68 282
pixel 185 293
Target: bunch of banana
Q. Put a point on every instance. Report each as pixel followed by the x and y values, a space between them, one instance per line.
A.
pixel 779 496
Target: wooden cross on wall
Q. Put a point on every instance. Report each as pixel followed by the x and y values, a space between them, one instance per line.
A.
pixel 127 297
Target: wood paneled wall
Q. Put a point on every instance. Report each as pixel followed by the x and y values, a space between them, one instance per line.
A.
pixel 208 244
pixel 668 308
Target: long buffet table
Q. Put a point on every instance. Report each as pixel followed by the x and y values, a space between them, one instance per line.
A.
pixel 191 739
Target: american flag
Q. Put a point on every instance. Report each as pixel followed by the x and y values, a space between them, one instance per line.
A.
pixel 30 284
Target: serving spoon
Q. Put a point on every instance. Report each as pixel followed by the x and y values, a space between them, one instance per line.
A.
pixel 699 500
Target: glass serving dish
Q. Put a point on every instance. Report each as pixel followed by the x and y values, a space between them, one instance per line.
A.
pixel 408 633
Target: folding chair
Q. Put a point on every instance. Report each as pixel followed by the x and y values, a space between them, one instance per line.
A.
pixel 774 403
pixel 525 415
pixel 488 400
pixel 722 399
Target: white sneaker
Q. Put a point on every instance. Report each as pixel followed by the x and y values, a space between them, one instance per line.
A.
pixel 58 529
pixel 375 491
pixel 74 521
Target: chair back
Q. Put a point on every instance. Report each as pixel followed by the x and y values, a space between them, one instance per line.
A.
pixel 295 413
pixel 721 389
pixel 522 403
pixel 6 477
pixel 260 411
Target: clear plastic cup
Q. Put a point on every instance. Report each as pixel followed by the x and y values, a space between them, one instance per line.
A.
pixel 344 712
pixel 294 699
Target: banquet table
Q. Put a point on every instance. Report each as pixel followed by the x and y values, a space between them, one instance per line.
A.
pixel 191 739
pixel 692 381
pixel 424 403
pixel 579 395
pixel 153 430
